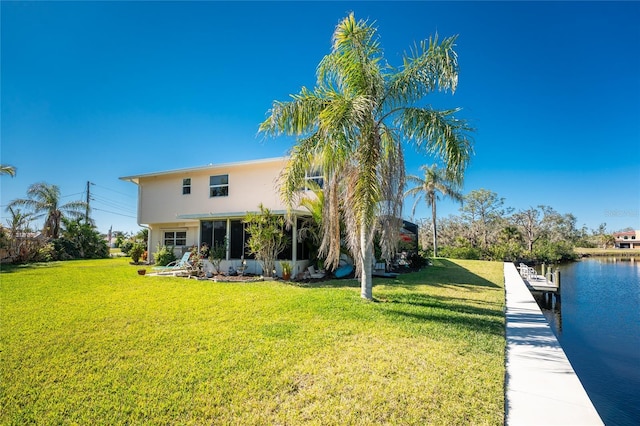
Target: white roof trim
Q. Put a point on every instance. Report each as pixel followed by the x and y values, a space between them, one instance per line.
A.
pixel 234 215
pixel 134 178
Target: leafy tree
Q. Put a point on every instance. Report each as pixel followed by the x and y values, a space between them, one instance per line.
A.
pixel 352 125
pixel 529 222
pixel 508 248
pixel 21 246
pixel 267 237
pixel 44 200
pixel 483 211
pixel 81 240
pixel 435 180
pixel 559 227
pixel 142 236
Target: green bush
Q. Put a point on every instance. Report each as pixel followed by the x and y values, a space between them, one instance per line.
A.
pixel 551 252
pixel 126 246
pixel 416 260
pixel 46 253
pixel 136 251
pixel 507 252
pixel 461 253
pixel 164 255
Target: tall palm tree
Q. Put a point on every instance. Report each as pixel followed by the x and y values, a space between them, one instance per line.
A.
pixel 6 169
pixel 352 125
pixel 435 180
pixel 44 200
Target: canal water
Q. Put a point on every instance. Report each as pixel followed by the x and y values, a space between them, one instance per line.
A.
pixel 598 326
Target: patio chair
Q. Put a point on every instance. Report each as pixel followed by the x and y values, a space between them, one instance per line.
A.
pixel 177 265
pixel 314 273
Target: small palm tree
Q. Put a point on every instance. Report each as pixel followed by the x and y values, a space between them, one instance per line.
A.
pixel 44 200
pixel 435 180
pixel 5 169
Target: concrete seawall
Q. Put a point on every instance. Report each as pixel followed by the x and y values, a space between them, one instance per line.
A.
pixel 541 386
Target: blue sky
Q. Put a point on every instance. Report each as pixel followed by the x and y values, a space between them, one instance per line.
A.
pixel 91 91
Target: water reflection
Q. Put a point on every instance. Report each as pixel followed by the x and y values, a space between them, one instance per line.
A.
pixel 598 326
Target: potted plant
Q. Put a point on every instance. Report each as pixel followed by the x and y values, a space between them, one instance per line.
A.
pixel 286 270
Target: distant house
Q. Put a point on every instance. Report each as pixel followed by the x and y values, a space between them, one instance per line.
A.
pixel 188 207
pixel 627 239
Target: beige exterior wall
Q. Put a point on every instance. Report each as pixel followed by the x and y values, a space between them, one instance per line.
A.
pixel 162 206
pixel 161 199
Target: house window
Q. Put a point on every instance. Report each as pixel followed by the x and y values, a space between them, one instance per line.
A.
pixel 315 176
pixel 213 232
pixel 219 186
pixel 175 238
pixel 186 186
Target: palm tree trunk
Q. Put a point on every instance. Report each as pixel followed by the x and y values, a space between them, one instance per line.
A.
pixel 366 280
pixel 435 232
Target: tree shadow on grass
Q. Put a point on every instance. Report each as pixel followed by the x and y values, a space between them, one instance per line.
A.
pixel 415 304
pixel 7 268
pixel 461 316
pixel 443 273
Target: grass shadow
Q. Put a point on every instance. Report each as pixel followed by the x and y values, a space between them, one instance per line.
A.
pixel 7 268
pixel 442 272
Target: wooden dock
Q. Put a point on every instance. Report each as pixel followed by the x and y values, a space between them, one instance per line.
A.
pixel 544 287
pixel 535 282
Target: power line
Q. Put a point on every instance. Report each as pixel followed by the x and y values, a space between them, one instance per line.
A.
pixel 117 192
pixel 112 203
pixel 119 214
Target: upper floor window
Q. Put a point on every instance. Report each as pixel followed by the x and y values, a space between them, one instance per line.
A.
pixel 186 186
pixel 315 176
pixel 175 238
pixel 219 186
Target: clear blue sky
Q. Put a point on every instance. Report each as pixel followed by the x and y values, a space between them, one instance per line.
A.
pixel 92 91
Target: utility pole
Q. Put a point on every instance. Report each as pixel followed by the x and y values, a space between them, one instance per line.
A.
pixel 86 215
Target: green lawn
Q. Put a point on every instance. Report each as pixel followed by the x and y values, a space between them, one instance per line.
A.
pixel 91 342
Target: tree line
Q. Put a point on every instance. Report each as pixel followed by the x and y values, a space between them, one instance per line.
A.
pixel 487 229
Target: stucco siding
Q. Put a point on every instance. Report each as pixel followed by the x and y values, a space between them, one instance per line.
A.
pixel 162 200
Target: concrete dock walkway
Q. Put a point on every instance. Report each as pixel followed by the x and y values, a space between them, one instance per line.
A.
pixel 541 386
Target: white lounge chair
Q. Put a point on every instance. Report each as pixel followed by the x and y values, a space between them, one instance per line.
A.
pixel 314 273
pixel 180 265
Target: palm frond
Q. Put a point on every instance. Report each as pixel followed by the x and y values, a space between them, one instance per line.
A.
pixel 428 67
pixel 296 117
pixel 6 169
pixel 439 133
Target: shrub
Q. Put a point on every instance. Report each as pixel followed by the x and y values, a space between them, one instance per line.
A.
pixel 551 252
pixel 416 260
pixel 46 253
pixel 507 252
pixel 461 253
pixel 164 255
pixel 126 246
pixel 136 251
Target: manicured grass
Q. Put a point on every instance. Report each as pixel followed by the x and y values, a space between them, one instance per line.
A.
pixel 91 342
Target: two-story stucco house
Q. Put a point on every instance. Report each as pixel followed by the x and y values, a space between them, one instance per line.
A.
pixel 627 239
pixel 188 207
